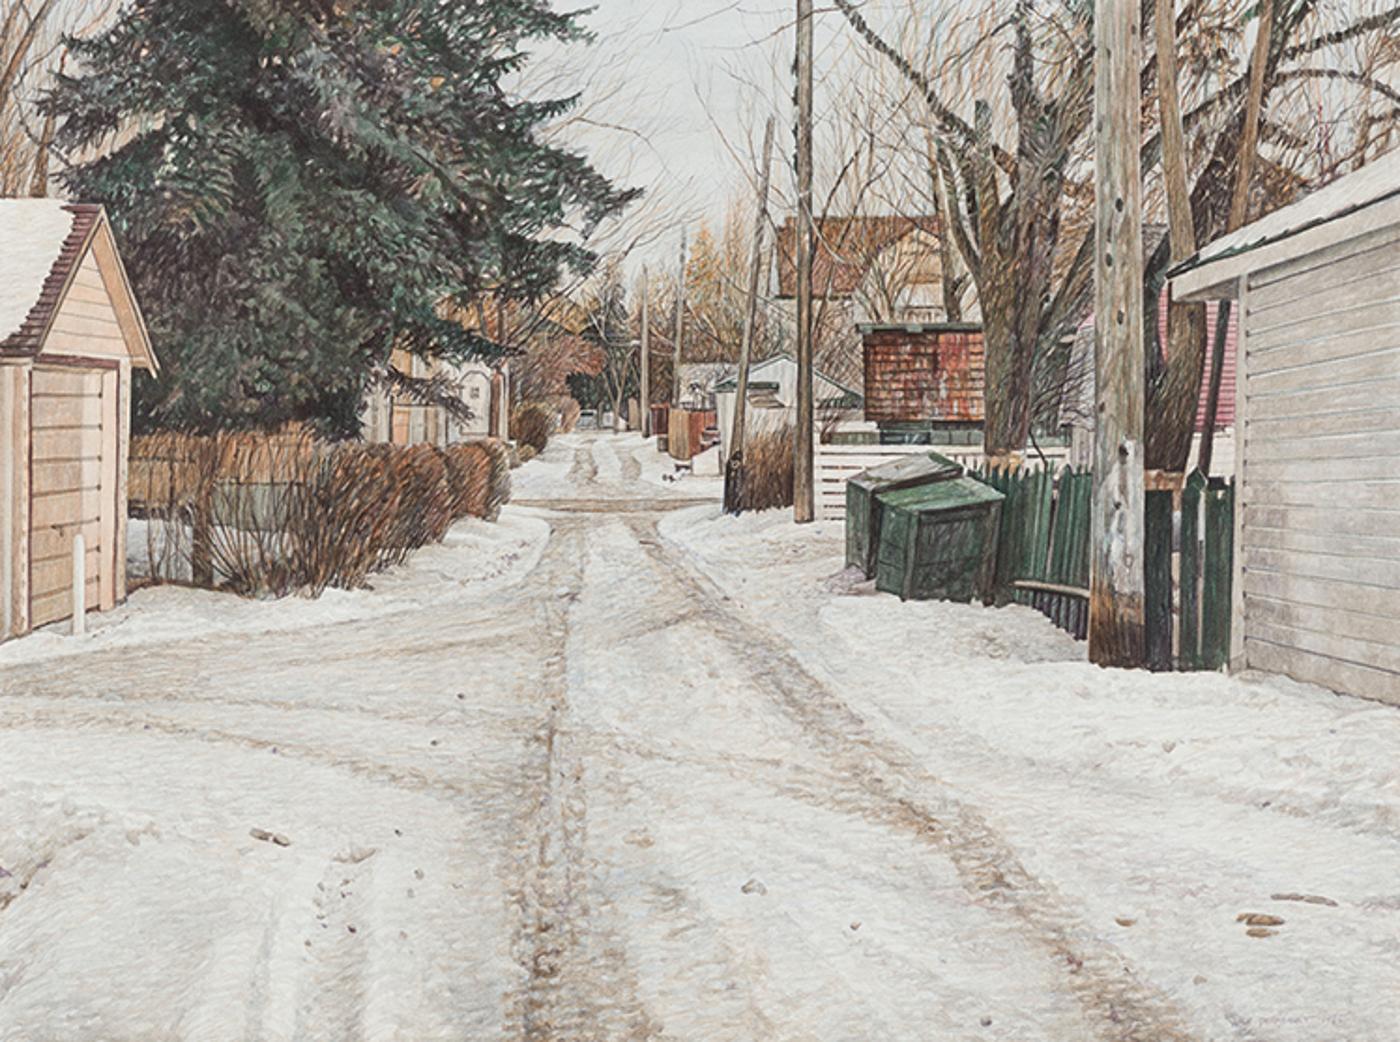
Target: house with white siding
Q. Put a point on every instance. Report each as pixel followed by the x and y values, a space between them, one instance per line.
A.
pixel 1317 431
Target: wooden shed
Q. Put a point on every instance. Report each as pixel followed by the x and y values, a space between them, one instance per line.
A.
pixel 927 376
pixel 70 335
pixel 1317 432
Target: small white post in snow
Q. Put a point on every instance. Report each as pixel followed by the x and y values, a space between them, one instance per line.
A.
pixel 79 586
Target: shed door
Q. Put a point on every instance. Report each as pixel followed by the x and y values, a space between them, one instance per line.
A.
pixel 1320 534
pixel 74 487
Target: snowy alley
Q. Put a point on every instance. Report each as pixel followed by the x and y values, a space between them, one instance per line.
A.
pixel 621 768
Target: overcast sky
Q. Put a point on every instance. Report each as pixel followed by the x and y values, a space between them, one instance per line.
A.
pixel 672 86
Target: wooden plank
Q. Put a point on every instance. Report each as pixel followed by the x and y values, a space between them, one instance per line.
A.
pixel 1328 344
pixel 1364 573
pixel 1326 470
pixel 1332 322
pixel 1322 520
pixel 60 412
pixel 1059 589
pixel 1334 622
pixel 1321 273
pixel 1378 364
pixel 55 540
pixel 54 382
pixel 1364 286
pixel 57 606
pixel 1337 675
pixel 1285 537
pixel 1217 577
pixel 65 475
pixel 1339 594
pixel 1350 495
pixel 1192 565
pixel 1276 443
pixel 55 575
pixel 61 508
pixel 1303 405
pixel 73 443
pixel 85 309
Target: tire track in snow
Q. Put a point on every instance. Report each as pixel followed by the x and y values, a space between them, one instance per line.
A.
pixel 577 983
pixel 885 784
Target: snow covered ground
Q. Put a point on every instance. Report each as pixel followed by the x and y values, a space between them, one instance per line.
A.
pixel 621 768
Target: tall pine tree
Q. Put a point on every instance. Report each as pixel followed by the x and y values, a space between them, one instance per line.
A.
pixel 302 184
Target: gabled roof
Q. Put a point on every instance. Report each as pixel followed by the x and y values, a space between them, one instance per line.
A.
pixel 1296 229
pixel 732 383
pixel 42 244
pixel 845 250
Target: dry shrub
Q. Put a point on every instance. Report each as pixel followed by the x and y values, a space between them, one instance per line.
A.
pixel 271 515
pixel 768 470
pixel 533 425
pixel 527 453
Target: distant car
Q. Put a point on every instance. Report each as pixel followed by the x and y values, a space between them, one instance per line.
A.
pixel 588 420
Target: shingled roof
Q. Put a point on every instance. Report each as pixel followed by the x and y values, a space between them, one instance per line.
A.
pixel 44 241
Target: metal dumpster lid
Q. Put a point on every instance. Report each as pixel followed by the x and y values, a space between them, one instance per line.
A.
pixel 920 468
pixel 941 495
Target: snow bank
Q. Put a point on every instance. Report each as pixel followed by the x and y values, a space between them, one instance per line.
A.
pixel 477 556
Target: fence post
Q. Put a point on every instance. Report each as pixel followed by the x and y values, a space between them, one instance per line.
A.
pixel 79 585
pixel 1157 610
pixel 1216 600
pixel 1192 502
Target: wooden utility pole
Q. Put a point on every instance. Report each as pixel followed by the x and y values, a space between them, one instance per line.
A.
pixel 1117 577
pixel 645 361
pixel 734 466
pixel 680 329
pixel 803 490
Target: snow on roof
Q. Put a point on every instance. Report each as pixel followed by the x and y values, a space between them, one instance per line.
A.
pixel 33 233
pixel 1377 180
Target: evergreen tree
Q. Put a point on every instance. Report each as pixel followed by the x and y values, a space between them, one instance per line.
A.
pixel 302 185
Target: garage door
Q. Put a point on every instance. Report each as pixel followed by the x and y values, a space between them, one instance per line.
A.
pixel 73 489
pixel 1321 478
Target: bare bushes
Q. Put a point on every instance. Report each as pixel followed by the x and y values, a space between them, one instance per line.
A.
pixel 271 515
pixel 533 424
pixel 768 470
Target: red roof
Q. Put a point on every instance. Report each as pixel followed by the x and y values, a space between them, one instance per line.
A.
pixel 846 247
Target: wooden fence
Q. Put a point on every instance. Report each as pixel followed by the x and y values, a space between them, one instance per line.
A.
pixel 1043 560
pixel 837 464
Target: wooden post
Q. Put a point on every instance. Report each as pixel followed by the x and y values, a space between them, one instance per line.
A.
pixel 803 484
pixel 680 330
pixel 79 585
pixel 1116 594
pixel 644 364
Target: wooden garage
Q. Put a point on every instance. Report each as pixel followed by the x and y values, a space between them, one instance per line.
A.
pixel 70 335
pixel 1317 521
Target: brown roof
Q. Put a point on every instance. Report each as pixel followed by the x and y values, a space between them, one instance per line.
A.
pixel 846 248
pixel 28 338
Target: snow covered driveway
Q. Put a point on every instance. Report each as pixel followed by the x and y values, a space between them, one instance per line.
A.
pixel 667 775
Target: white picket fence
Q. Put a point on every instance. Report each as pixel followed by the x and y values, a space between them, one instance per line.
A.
pixel 836 464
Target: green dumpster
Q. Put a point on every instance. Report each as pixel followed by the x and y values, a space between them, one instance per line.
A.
pixel 863 503
pixel 939 541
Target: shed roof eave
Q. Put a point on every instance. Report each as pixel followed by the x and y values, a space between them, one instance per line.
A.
pixel 1217 278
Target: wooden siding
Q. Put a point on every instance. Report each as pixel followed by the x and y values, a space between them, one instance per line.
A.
pixel 1319 525
pixel 915 376
pixel 73 476
pixel 86 324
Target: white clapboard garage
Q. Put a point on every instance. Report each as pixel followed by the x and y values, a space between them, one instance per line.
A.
pixel 1317 526
pixel 72 334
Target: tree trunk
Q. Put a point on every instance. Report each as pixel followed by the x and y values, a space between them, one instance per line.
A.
pixel 1174 389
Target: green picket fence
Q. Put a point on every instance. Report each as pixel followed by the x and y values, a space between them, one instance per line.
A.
pixel 1043 560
